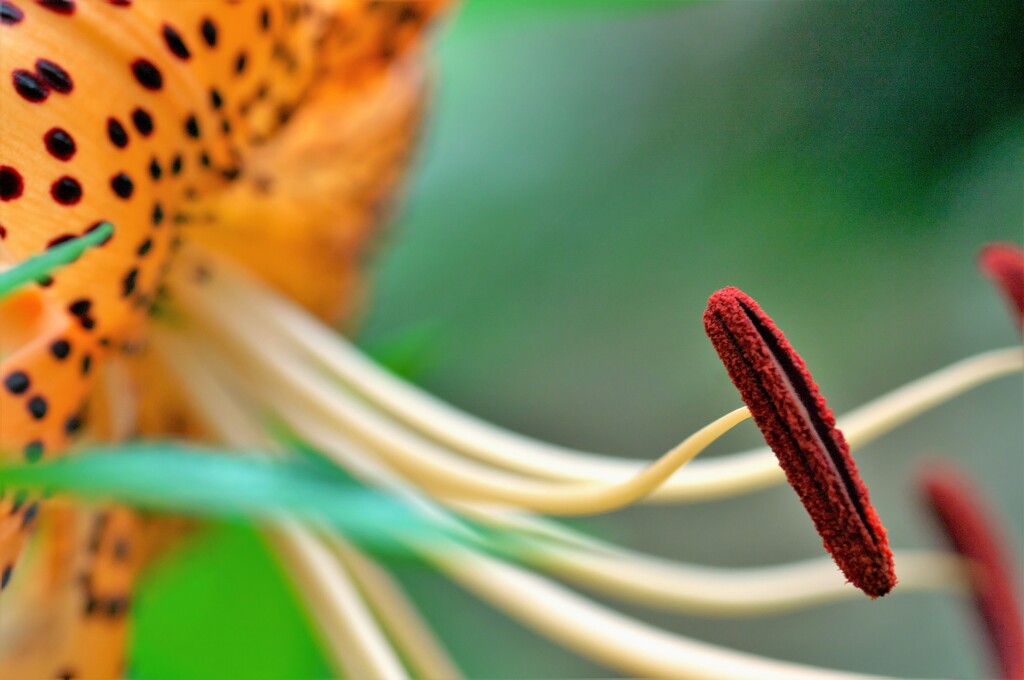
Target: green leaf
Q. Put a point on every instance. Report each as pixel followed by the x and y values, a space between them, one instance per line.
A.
pixel 408 353
pixel 192 480
pixel 222 606
pixel 38 267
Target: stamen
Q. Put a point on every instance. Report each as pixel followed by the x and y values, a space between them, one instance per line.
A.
pixel 593 630
pixel 800 428
pixel 288 382
pixel 589 562
pixel 1003 263
pixel 973 534
pixel 656 582
pixel 596 632
pixel 232 292
pixel 635 648
pixel 436 470
pixel 346 624
pixel 234 422
pixel 398 615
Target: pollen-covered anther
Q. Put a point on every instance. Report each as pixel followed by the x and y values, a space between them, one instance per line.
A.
pixel 969 528
pixel 1003 263
pixel 800 428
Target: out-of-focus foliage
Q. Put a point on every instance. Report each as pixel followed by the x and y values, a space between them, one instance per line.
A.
pixel 39 267
pixel 229 484
pixel 593 172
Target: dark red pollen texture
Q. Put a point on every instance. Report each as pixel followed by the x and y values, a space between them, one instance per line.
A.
pixel 799 427
pixel 1003 263
pixel 973 535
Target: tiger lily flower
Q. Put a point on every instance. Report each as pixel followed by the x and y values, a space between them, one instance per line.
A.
pixel 228 165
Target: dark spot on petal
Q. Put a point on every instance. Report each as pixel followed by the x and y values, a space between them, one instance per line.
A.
pixel 158 214
pixel 117 606
pixel 73 424
pixel 11 184
pixel 10 14
pixel 29 86
pixel 174 43
pixel 54 76
pixel 66 191
pixel 17 382
pixel 58 6
pixel 117 134
pixel 209 32
pixel 143 122
pixel 284 113
pixel 409 14
pixel 37 407
pixel 129 283
pixel 59 143
pixel 122 185
pixel 60 349
pixel 147 74
pixel 192 127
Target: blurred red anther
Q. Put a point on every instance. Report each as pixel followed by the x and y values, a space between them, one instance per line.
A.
pixel 1003 263
pixel 973 535
pixel 800 429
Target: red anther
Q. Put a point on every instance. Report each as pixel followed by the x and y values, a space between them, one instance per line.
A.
pixel 1003 263
pixel 973 534
pixel 799 427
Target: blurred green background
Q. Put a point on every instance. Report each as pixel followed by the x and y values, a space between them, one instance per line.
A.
pixel 591 172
